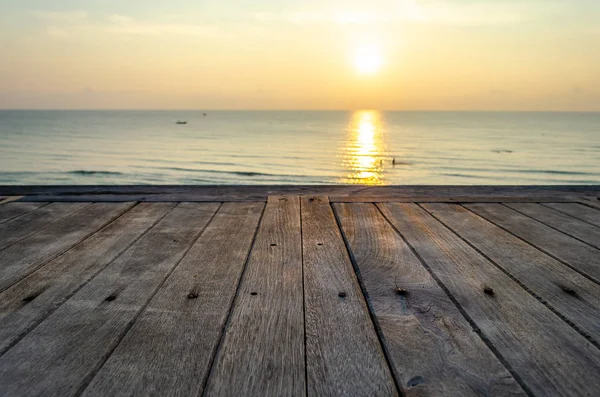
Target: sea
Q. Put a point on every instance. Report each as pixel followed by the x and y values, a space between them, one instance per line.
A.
pixel 298 147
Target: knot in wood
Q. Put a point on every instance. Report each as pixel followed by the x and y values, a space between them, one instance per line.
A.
pixel 568 290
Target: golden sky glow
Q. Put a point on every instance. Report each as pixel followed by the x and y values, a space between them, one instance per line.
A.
pixel 381 54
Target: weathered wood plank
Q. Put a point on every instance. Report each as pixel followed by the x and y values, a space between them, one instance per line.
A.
pixel 256 197
pixel 156 198
pixel 13 210
pixel 27 255
pixel 575 297
pixel 549 356
pixel 431 345
pixel 26 303
pixel 421 190
pixel 565 223
pixel 32 222
pixel 169 349
pixel 262 351
pixel 579 211
pixel 434 198
pixel 59 357
pixel 576 254
pixel 343 354
pixel 260 193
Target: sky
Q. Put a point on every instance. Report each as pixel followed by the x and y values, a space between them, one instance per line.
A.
pixel 292 54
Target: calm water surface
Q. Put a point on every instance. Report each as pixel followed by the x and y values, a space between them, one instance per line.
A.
pixel 298 147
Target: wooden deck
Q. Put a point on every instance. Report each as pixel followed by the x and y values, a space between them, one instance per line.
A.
pixel 294 291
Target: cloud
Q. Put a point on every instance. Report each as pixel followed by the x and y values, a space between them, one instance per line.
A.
pixel 73 23
pixel 120 19
pixel 121 24
pixel 440 12
pixel 60 16
pixel 57 33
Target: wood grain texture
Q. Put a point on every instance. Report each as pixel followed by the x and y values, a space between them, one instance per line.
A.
pixel 547 354
pixel 32 222
pixel 433 198
pixel 26 303
pixel 431 345
pixel 260 197
pixel 579 211
pixel 60 356
pixel 154 198
pixel 13 210
pixel 578 255
pixel 169 349
pixel 27 255
pixel 262 351
pixel 565 223
pixel 343 354
pixel 575 297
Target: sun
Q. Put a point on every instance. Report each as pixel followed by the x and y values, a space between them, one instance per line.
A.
pixel 368 60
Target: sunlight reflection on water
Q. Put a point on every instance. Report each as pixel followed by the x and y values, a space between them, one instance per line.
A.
pixel 365 148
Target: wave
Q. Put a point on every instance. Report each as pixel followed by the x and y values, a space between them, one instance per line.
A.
pixel 237 173
pixel 100 173
pixel 514 171
pixel 555 172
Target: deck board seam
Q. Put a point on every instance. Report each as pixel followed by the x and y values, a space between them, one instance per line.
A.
pixel 571 215
pixel 552 227
pixel 215 354
pixel 374 321
pixel 584 274
pixel 587 336
pixel 45 261
pixel 304 303
pixel 462 311
pixel 590 203
pixel 88 379
pixel 68 296
pixel 25 213
pixel 45 227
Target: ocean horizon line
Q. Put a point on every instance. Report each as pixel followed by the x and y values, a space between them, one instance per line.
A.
pixel 292 110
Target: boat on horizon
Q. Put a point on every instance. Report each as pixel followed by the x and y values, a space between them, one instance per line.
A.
pixel 181 122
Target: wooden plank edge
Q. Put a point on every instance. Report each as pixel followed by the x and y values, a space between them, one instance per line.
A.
pixel 4 200
pixel 143 199
pixel 332 199
pixel 327 189
pixel 593 202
